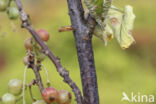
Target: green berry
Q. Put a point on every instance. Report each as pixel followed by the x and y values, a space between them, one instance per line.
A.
pixel 3 5
pixel 26 60
pixel 13 13
pixel 15 86
pixel 64 97
pixel 40 102
pixel 8 99
pixel 41 57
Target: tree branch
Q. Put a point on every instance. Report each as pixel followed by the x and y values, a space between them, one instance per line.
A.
pixel 83 35
pixel 83 38
pixel 62 71
pixel 36 70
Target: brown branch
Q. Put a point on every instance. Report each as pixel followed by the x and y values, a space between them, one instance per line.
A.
pixel 83 37
pixel 66 28
pixel 62 71
pixel 36 68
pixel 33 82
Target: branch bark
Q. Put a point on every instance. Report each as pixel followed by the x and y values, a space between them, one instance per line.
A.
pixel 62 71
pixel 36 70
pixel 83 37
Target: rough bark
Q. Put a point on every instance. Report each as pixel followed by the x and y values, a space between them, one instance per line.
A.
pixel 83 39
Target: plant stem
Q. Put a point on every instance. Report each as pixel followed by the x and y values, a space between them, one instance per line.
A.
pixel 83 36
pixel 62 71
pixel 83 39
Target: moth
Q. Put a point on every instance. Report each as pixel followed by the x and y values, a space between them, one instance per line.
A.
pixel 112 22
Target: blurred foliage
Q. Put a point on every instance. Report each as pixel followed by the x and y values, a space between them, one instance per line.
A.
pixel 131 70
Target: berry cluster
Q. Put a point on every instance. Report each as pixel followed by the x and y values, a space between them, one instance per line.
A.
pixel 34 55
pixel 12 11
pixel 14 90
pixel 51 95
pixel 31 46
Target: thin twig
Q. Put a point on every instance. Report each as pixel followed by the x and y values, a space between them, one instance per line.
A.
pixel 46 72
pixel 62 71
pixel 24 81
pixel 36 69
pixel 66 28
pixel 31 94
pixel 33 82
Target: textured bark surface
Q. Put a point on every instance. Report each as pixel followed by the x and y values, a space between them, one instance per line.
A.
pixel 38 80
pixel 83 38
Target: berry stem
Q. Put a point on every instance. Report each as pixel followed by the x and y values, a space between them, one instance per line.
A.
pixel 31 94
pixel 46 72
pixel 24 84
pixel 9 3
pixel 19 97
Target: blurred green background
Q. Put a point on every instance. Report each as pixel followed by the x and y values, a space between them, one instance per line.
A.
pixel 118 71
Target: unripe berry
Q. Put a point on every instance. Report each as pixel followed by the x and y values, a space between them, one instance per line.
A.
pixel 44 35
pixel 26 60
pixel 64 97
pixel 13 13
pixel 3 5
pixel 50 95
pixel 28 44
pixel 41 57
pixel 15 86
pixel 40 102
pixel 8 99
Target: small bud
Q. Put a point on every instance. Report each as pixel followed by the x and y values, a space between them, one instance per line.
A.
pixel 26 60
